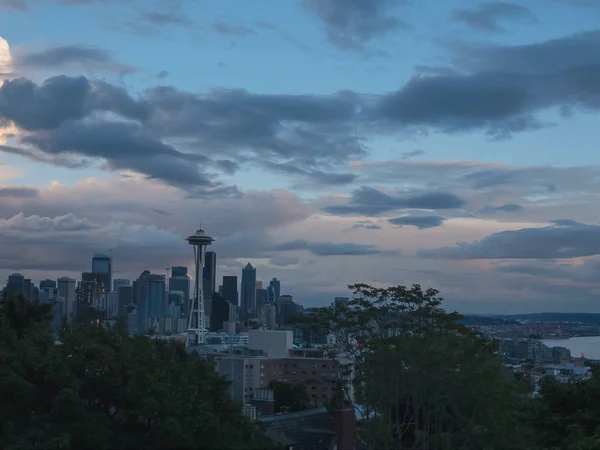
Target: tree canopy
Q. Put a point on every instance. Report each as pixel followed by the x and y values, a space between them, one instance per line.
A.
pixel 425 381
pixel 99 389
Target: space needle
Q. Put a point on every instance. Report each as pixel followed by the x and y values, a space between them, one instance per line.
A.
pixel 196 327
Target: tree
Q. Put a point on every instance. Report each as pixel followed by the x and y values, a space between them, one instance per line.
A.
pixel 425 381
pixel 566 416
pixel 290 396
pixel 100 389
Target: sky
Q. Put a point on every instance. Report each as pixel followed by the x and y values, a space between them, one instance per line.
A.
pixel 328 142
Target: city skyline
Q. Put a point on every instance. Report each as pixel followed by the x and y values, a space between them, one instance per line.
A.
pixel 449 144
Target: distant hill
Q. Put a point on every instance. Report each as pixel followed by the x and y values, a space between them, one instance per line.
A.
pixel 586 318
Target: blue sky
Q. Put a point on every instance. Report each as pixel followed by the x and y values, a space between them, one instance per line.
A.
pixel 493 103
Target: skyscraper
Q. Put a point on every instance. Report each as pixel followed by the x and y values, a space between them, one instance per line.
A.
pixel 248 300
pixel 16 283
pixel 66 293
pixel 261 299
pixel 230 289
pixel 180 281
pixel 102 264
pixel 91 291
pixel 150 298
pixel 120 282
pixel 209 273
pixel 274 291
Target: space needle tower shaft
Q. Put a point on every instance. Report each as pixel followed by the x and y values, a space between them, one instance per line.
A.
pixel 196 326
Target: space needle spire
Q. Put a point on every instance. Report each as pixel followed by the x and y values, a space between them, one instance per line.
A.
pixel 196 326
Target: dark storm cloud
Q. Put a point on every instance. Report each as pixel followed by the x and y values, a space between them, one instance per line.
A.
pixel 61 98
pixel 351 23
pixel 552 242
pixel 124 146
pixel 328 248
pixel 488 15
pixel 371 202
pixel 509 208
pixel 228 29
pixel 17 5
pixel 490 178
pixel 319 176
pixel 542 58
pixel 303 134
pixel 567 223
pixel 500 103
pixel 421 222
pixel 57 57
pixel 18 192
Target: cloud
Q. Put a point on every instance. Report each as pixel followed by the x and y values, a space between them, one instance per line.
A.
pixel 17 5
pixel 18 192
pixel 366 224
pixel 125 146
pixel 96 215
pixel 509 207
pixel 567 223
pixel 302 134
pixel 6 60
pixel 164 18
pixel 328 248
pixel 90 58
pixel 412 154
pixel 283 261
pixel 228 29
pixel 420 222
pixel 487 16
pixel 551 242
pixel 60 99
pixel 553 56
pixel 349 24
pixel 371 202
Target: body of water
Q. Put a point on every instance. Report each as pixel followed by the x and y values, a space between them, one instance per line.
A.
pixel 589 345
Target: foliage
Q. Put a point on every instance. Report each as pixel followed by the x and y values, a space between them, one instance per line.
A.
pixel 566 416
pixel 290 396
pixel 425 381
pixel 100 389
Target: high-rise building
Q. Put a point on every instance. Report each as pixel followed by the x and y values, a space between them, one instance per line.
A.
pixel 261 299
pixel 92 290
pixel 125 299
pixel 220 313
pixel 268 316
pixel 259 284
pixel 120 282
pixel 230 289
pixel 47 285
pixel 102 264
pixel 179 271
pixel 274 291
pixel 28 289
pixel 180 281
pixel 150 298
pixel 209 273
pixel 66 293
pixel 112 305
pixel 248 298
pixel 175 304
pixel 47 292
pixel 16 283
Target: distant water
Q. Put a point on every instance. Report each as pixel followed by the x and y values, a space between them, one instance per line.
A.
pixel 589 345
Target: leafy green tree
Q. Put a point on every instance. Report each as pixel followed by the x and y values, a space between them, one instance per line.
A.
pixel 99 389
pixel 425 381
pixel 290 396
pixel 566 416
